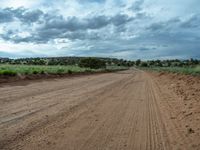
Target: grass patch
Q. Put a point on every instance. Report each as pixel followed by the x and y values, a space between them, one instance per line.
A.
pixel 116 68
pixel 36 69
pixel 12 70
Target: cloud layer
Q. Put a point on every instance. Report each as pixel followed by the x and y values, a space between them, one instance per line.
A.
pixel 130 29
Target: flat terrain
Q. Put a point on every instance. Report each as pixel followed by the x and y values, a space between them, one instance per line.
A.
pixel 131 110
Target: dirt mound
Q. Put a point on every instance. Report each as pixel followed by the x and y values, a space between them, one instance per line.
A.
pixel 187 86
pixel 187 104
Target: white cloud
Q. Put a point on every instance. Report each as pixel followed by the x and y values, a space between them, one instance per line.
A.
pixel 18 3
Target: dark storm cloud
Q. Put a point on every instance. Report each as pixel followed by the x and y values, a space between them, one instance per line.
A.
pixel 11 36
pixel 6 15
pixel 193 22
pixel 28 16
pixel 137 6
pixel 146 48
pixel 156 27
pixel 176 24
pixel 6 35
pixel 56 26
pixel 163 26
pixel 22 14
pixel 44 36
pixel 95 22
pixel 120 19
pixel 175 33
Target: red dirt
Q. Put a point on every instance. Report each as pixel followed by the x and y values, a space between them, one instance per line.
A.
pixel 126 110
pixel 186 107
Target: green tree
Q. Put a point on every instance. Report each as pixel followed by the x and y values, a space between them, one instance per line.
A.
pixel 144 64
pixel 92 63
pixel 138 62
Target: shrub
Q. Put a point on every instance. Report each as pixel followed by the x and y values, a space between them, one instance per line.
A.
pixel 92 63
pixel 35 72
pixel 9 73
pixel 25 71
pixel 144 64
pixel 42 72
pixel 69 71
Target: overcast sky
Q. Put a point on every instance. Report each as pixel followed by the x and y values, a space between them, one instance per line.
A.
pixel 129 29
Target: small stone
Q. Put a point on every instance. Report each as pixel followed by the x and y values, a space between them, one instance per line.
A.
pixel 190 130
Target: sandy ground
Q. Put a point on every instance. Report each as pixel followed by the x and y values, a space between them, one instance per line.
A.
pixel 131 110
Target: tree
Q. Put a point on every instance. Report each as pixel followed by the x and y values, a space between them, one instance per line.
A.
pixel 137 63
pixel 144 64
pixel 92 63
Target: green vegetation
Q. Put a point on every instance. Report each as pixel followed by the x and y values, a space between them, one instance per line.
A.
pixel 65 61
pixel 92 63
pixel 69 65
pixel 35 69
pixel 8 73
pixel 60 65
pixel 168 63
pixel 12 70
pixel 191 66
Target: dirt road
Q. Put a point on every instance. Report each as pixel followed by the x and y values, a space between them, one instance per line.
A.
pixel 116 111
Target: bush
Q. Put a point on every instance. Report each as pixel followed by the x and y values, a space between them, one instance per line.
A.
pixel 8 73
pixel 69 71
pixel 42 72
pixel 26 72
pixel 35 72
pixel 144 64
pixel 92 63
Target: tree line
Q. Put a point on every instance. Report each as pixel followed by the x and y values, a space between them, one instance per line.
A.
pixel 89 62
pixel 168 63
pixel 98 62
